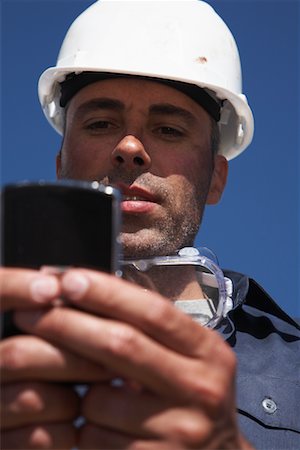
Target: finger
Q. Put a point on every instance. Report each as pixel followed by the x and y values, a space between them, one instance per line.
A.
pixel 34 403
pixel 31 358
pixel 22 288
pixel 128 352
pixel 91 437
pixel 43 436
pixel 145 415
pixel 154 315
pixel 149 312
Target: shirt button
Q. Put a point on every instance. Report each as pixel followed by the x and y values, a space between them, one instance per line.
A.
pixel 269 405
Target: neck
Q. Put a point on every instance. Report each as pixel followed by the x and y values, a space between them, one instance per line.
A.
pixel 175 283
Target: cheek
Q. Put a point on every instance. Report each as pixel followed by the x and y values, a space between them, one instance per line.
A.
pixel 81 159
pixel 190 179
pixel 190 168
pixel 183 193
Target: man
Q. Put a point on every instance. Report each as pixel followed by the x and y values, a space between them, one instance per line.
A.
pixel 146 122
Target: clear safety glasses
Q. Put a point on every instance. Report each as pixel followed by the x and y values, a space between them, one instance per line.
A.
pixel 191 279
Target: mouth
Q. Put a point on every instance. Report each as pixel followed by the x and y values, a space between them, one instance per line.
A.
pixel 137 200
pixel 133 198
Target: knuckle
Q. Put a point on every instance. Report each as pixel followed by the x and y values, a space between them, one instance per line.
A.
pixel 217 396
pixel 13 355
pixel 191 430
pixel 159 313
pixel 30 437
pixel 40 438
pixel 210 389
pixel 29 399
pixel 52 436
pixel 122 340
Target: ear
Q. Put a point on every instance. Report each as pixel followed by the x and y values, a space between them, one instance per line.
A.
pixel 218 180
pixel 58 165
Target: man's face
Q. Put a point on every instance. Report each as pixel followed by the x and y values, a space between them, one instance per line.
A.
pixel 153 143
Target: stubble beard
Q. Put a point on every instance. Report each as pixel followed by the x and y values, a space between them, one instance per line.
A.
pixel 176 229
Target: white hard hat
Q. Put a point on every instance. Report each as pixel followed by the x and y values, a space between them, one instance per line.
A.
pixel 184 41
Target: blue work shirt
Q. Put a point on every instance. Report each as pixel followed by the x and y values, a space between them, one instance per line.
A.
pixel 267 343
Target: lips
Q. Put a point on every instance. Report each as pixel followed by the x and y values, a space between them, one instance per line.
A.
pixel 136 199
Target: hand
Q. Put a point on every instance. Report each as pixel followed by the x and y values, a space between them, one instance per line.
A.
pixel 35 412
pixel 179 377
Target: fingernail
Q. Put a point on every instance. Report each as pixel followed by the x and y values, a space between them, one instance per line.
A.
pixel 74 285
pixel 44 288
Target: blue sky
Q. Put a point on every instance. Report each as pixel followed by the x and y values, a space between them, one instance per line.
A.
pixel 255 229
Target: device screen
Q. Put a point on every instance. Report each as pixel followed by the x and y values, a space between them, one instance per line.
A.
pixel 60 224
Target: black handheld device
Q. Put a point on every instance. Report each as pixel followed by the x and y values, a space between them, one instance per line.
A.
pixel 61 224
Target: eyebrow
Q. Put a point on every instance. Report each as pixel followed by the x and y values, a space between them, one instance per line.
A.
pixel 168 109
pixel 99 103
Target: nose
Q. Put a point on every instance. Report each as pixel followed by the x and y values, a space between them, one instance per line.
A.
pixel 130 153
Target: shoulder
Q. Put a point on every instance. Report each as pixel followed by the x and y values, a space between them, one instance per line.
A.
pixel 256 314
pixel 267 343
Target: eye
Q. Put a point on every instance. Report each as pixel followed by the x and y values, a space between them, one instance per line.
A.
pixel 99 125
pixel 169 132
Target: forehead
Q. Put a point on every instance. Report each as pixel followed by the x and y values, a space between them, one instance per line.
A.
pixel 139 93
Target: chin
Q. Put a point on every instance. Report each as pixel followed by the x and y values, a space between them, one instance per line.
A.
pixel 148 243
pixel 135 245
